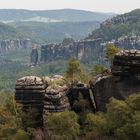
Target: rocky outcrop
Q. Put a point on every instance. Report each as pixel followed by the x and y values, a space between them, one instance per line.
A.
pixel 9 45
pixel 127 42
pixel 56 99
pixel 126 63
pixel 127 17
pixel 121 82
pixel 30 92
pixel 52 94
pixel 34 57
pixel 87 51
pixel 82 50
pixel 81 98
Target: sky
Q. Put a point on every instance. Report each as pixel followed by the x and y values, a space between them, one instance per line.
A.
pixel 115 6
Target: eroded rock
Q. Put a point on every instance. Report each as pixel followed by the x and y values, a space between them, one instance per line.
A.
pixel 56 99
pixel 30 92
pixel 10 45
pixel 123 80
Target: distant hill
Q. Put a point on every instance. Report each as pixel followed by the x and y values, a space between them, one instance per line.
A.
pixel 41 32
pixel 9 32
pixel 121 25
pixel 14 15
pixel 49 25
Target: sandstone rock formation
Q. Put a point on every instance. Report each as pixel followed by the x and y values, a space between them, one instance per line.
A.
pixel 29 92
pixel 120 19
pixel 56 99
pixel 34 57
pixel 52 94
pixel 87 51
pixel 122 82
pixel 126 63
pixel 82 50
pixel 9 45
pixel 81 98
pixel 127 42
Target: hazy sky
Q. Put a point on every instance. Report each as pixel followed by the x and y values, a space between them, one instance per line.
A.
pixel 118 6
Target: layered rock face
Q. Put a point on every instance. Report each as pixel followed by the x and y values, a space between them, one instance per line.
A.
pixel 30 92
pixel 52 94
pixel 120 19
pixel 126 63
pixel 81 98
pixel 56 99
pixel 34 57
pixel 122 82
pixel 9 45
pixel 127 42
pixel 82 50
pixel 88 51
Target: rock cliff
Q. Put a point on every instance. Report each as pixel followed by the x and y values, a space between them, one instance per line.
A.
pixel 121 82
pixel 52 94
pixel 82 50
pixel 34 57
pixel 81 98
pixel 127 42
pixel 124 18
pixel 9 45
pixel 29 92
pixel 56 99
pixel 87 51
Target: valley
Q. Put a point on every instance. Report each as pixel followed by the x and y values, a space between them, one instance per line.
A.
pixel 69 75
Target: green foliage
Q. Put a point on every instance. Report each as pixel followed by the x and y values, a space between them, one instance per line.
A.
pixel 96 123
pixel 30 118
pixel 67 41
pixel 21 135
pixel 121 121
pixel 15 64
pixel 41 32
pixel 97 69
pixel 10 121
pixel 62 126
pixel 121 25
pixel 111 50
pixel 14 122
pixel 81 105
pixel 75 72
pixel 9 32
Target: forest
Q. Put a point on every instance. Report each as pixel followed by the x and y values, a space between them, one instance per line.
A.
pixel 120 122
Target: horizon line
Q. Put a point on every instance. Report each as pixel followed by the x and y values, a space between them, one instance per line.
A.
pixel 51 9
